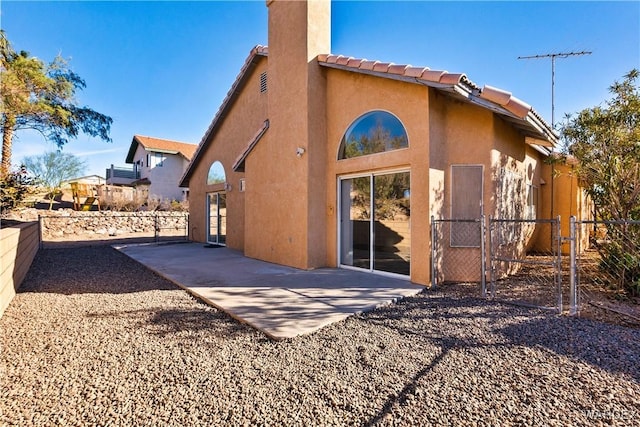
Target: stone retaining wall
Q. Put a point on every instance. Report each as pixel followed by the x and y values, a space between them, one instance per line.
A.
pixel 18 246
pixel 68 223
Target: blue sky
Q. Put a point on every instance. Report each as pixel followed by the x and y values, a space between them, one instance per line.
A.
pixel 162 68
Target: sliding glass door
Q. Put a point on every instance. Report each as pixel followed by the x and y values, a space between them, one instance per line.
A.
pixel 375 215
pixel 217 218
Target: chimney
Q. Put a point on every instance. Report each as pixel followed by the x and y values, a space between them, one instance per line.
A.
pixel 295 157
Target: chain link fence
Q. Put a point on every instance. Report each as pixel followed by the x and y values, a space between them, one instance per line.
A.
pixel 529 262
pixel 607 260
pixel 457 247
pixel 111 226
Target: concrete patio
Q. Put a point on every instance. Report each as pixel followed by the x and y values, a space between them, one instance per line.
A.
pixel 280 301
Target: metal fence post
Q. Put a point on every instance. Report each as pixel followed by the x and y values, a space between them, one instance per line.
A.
pixel 40 244
pixel 559 263
pixel 483 259
pixel 573 290
pixel 492 277
pixel 187 223
pixel 156 229
pixel 433 253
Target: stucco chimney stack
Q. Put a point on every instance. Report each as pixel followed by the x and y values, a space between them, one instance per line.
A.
pixel 299 31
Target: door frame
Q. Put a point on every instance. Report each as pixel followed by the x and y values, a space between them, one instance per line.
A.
pixel 208 211
pixel 371 175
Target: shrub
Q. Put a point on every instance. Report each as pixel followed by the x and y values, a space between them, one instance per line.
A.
pixel 624 267
pixel 14 187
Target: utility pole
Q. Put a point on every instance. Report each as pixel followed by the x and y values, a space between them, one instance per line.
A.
pixel 553 57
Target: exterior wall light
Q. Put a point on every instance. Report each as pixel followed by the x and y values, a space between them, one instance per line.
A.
pixel 299 152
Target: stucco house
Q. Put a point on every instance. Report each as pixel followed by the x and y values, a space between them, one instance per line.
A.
pixel 315 159
pixel 160 164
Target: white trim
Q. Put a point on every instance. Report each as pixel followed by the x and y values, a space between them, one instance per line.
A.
pixel 371 176
pixel 338 159
pixel 208 207
pixel 376 272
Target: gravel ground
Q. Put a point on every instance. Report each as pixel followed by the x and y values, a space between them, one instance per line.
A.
pixel 94 338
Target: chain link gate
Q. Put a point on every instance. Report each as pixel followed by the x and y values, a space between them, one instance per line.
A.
pixel 530 263
pixel 523 274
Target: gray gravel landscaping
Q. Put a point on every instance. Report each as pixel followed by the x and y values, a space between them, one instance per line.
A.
pixel 93 338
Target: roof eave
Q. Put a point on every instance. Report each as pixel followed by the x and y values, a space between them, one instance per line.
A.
pixel 132 149
pixel 256 55
pixel 530 125
pixel 238 165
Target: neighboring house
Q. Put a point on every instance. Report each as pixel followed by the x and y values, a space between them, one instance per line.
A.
pixel 320 160
pixel 160 163
pixel 119 175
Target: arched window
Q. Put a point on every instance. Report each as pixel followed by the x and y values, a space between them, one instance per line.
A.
pixel 373 132
pixel 216 174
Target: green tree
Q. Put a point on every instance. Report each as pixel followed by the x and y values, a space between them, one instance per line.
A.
pixel 51 169
pixel 606 142
pixel 41 97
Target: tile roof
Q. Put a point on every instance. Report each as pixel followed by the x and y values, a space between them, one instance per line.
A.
pixel 256 54
pixel 516 111
pixel 186 150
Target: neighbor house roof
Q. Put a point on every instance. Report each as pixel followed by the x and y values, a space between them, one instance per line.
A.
pixel 520 114
pixel 161 146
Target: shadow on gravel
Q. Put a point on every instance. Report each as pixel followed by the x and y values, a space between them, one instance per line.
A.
pixel 104 270
pixel 612 348
pixel 216 324
pixel 89 269
pixel 175 322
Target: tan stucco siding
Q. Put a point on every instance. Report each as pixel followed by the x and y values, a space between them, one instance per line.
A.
pixel 461 134
pixel 569 199
pixel 245 117
pixel 350 95
pixel 285 191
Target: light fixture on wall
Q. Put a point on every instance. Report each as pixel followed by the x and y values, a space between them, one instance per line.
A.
pixel 300 151
pixel 227 186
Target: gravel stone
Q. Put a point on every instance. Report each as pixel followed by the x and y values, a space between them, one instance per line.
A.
pixel 94 338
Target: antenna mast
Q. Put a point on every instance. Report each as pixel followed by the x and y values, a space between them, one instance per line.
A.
pixel 553 57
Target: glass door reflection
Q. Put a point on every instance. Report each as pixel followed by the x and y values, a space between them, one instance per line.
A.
pixel 375 215
pixel 355 222
pixel 217 218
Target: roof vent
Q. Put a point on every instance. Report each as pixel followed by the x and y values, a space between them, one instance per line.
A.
pixel 263 82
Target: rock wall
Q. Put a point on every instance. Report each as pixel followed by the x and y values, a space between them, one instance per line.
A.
pixel 68 223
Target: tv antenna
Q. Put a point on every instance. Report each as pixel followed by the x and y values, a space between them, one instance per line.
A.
pixel 553 57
